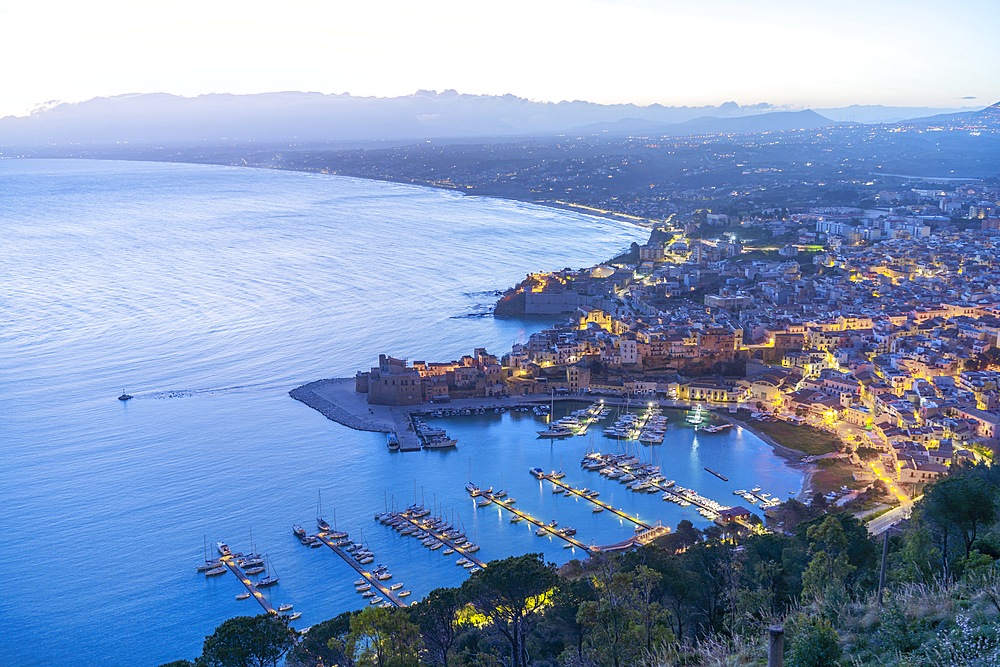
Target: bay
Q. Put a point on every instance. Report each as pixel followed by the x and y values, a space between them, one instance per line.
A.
pixel 208 292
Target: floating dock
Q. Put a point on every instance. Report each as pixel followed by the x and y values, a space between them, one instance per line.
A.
pixel 230 562
pixel 439 536
pixel 368 576
pixel 600 503
pixel 551 530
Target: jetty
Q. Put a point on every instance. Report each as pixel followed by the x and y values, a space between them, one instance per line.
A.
pixel 638 540
pixel 369 577
pixel 432 531
pixel 551 529
pixel 600 503
pixel 620 466
pixel 230 562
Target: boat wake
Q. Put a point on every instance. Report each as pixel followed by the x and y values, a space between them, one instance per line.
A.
pixel 189 393
pixel 484 293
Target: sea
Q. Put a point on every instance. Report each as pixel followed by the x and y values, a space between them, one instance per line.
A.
pixel 207 293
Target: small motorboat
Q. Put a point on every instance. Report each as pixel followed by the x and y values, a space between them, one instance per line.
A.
pixel 359 582
pixel 125 397
pixel 243 596
pixel 292 617
pixel 403 594
pixel 395 587
pixel 285 607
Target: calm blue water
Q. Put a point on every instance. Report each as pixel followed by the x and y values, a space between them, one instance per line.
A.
pixel 208 293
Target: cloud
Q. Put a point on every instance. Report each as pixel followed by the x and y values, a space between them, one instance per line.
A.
pixel 968 97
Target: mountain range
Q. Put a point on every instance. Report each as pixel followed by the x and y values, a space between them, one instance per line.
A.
pixel 160 119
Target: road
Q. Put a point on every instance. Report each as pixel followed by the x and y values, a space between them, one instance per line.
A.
pixel 880 524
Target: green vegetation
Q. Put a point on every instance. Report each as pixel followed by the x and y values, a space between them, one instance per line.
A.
pixel 247 641
pixel 806 439
pixel 988 359
pixel 696 598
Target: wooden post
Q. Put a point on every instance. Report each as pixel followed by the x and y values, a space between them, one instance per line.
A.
pixel 776 646
pixel 881 572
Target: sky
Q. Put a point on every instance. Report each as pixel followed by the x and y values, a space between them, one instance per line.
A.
pixel 800 53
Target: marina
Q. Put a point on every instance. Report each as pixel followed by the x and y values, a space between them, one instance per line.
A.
pixel 645 477
pixel 432 530
pixel 582 493
pixel 371 578
pixel 543 528
pixel 230 562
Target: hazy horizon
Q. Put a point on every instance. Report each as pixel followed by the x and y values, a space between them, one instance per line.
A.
pixel 751 107
pixel 638 52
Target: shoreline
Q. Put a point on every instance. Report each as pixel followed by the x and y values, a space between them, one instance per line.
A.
pixel 336 400
pixel 792 457
pixel 635 221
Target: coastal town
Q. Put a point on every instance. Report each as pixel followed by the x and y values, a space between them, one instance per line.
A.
pixel 879 327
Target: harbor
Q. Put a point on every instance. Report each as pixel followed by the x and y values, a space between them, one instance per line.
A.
pixel 550 528
pixel 374 579
pixel 495 438
pixel 413 522
pixel 244 566
pixel 645 477
pixel 589 496
pixel 248 584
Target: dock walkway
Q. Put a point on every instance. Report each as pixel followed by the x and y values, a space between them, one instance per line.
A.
pixel 694 498
pixel 255 593
pixel 637 540
pixel 437 535
pixel 600 503
pixel 530 519
pixel 368 576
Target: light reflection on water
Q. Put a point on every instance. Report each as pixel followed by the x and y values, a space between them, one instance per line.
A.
pixel 208 293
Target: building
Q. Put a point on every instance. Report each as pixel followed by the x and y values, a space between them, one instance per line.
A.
pixel 392 382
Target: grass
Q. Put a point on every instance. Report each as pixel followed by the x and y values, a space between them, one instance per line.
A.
pixel 831 474
pixel 806 439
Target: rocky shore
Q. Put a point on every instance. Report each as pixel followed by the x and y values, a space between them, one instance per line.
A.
pixel 336 400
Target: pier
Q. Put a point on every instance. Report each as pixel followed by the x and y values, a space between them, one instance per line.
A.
pixel 600 503
pixel 637 540
pixel 255 593
pixel 551 530
pixel 439 536
pixel 704 504
pixel 368 576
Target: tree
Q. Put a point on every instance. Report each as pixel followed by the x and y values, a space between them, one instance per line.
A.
pixel 680 594
pixel 325 643
pixel 829 567
pixel 384 638
pixel 508 593
pixel 562 630
pixel 436 618
pixel 963 502
pixel 247 641
pixel 613 618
